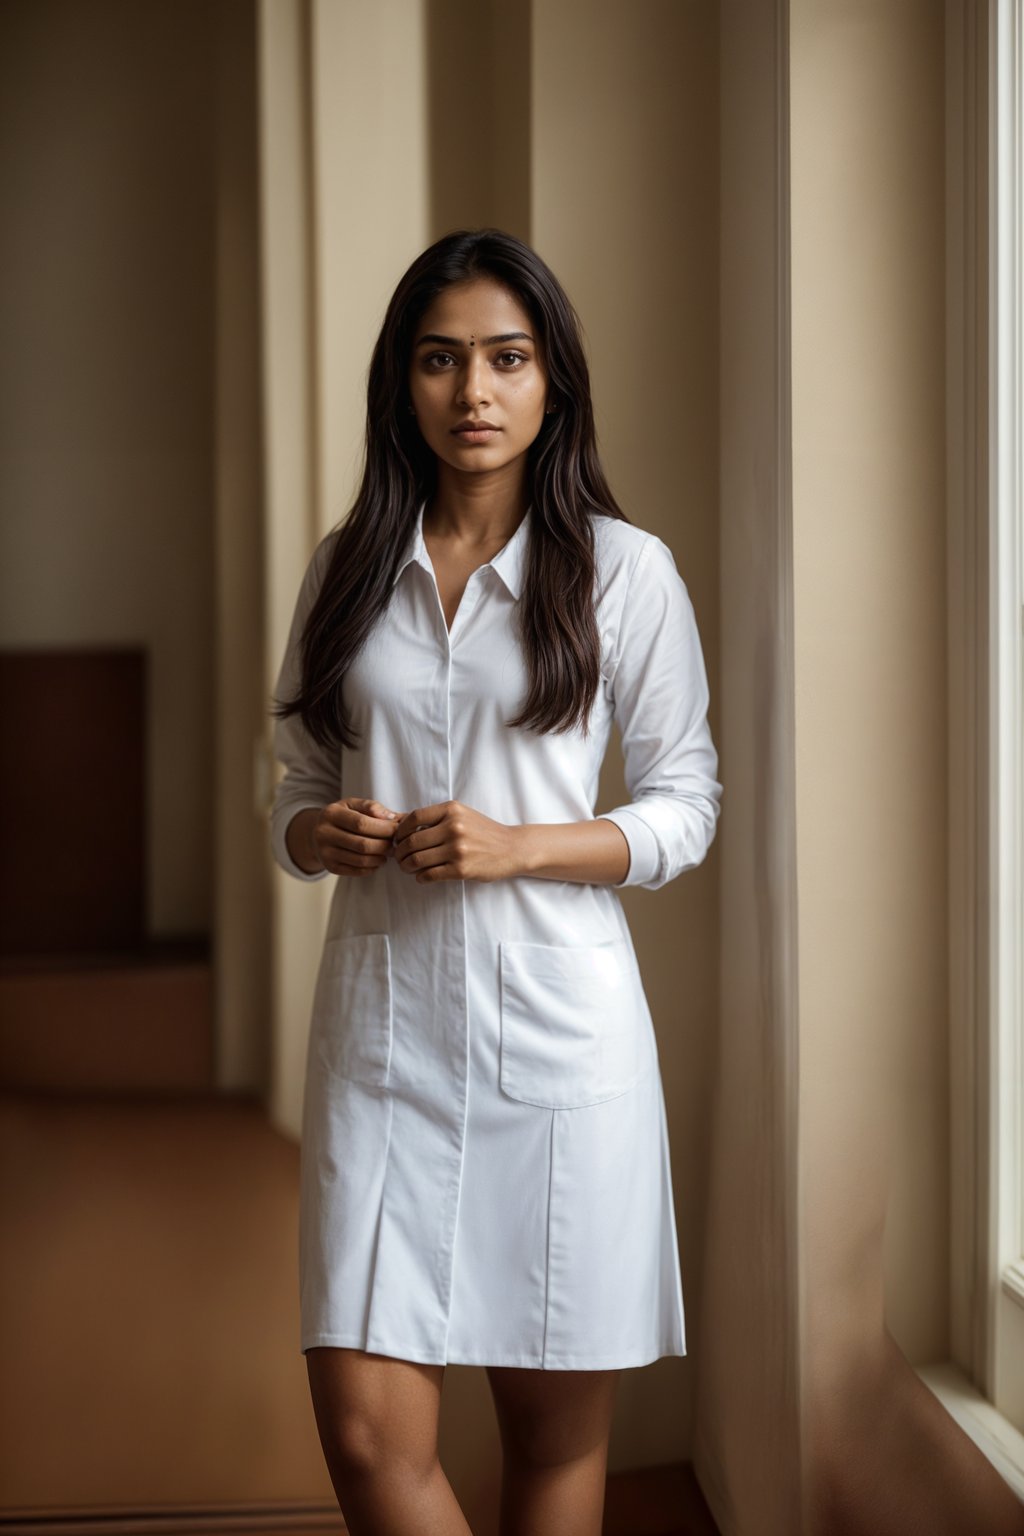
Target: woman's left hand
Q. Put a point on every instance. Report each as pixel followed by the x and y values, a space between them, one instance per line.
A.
pixel 451 841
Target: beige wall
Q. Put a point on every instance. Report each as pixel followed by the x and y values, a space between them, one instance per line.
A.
pixel 241 926
pixel 478 134
pixel 870 653
pixel 370 202
pixel 748 1429
pixel 343 212
pixel 292 476
pixel 869 585
pixel 831 1136
pixel 625 209
pixel 106 391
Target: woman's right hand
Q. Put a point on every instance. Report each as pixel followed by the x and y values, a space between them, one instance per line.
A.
pixel 351 836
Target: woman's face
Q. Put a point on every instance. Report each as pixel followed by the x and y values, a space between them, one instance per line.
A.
pixel 474 357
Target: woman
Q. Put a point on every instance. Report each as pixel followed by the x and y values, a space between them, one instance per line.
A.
pixel 485 1170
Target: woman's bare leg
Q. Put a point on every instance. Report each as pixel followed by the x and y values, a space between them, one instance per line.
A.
pixel 377 1420
pixel 554 1429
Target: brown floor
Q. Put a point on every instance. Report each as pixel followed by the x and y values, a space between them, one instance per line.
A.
pixel 149 1326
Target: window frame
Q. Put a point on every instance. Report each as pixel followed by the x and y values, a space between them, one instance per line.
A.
pixel 1005 1357
pixel 983 1383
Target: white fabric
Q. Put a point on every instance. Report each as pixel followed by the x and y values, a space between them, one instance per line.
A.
pixel 485 1163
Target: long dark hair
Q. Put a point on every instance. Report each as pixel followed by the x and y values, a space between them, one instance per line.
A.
pixel 565 483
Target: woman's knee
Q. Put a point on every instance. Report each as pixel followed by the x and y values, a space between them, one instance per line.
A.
pixel 373 1414
pixel 356 1444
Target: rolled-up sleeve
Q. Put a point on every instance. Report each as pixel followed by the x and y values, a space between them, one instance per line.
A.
pixel 660 692
pixel 312 774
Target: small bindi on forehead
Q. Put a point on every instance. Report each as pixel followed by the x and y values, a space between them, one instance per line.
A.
pixel 434 338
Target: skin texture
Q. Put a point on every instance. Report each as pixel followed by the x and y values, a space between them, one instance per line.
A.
pixel 377 1416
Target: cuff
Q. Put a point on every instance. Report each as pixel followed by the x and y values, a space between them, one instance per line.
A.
pixel 644 849
pixel 283 817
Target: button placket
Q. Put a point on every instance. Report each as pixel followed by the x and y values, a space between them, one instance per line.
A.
pixel 464 611
pixel 467 604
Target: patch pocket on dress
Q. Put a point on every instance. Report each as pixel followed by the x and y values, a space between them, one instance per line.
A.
pixel 352 1008
pixel 575 1025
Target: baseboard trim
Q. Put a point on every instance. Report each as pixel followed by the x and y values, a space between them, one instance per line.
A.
pixel 176 1520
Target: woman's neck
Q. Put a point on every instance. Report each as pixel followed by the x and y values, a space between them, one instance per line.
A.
pixel 476 513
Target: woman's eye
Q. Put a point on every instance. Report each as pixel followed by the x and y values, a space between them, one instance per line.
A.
pixel 508 359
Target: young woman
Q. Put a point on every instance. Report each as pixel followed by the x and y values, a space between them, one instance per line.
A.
pixel 485 1165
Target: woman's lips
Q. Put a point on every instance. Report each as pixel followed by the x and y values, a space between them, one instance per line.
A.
pixel 475 434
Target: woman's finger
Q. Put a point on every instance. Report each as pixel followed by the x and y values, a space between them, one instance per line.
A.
pixel 341 861
pixel 351 843
pixel 372 808
pixel 425 856
pixel 424 816
pixel 348 820
pixel 375 808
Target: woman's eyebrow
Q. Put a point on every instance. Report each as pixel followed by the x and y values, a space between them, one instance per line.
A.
pixel 486 341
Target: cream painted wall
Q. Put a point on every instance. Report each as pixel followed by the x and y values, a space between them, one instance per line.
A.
pixel 291 477
pixel 869 540
pixel 370 209
pixel 747 1441
pixel 625 209
pixel 831 1120
pixel 870 651
pixel 106 404
pixel 479 96
pixel 344 210
pixel 881 1455
pixel 241 927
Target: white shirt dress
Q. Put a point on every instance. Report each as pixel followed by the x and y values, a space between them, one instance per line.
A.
pixel 485 1173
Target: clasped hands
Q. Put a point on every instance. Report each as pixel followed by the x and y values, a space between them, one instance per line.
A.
pixel 448 841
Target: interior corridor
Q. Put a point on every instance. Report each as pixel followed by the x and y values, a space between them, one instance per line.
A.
pixel 149 1320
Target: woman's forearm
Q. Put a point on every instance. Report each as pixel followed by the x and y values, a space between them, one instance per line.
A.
pixel 594 852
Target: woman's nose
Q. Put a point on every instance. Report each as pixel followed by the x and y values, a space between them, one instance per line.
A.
pixel 474 384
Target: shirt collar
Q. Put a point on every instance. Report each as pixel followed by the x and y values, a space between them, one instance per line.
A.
pixel 509 562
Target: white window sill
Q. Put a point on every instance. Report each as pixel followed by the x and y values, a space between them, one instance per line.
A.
pixel 994 1436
